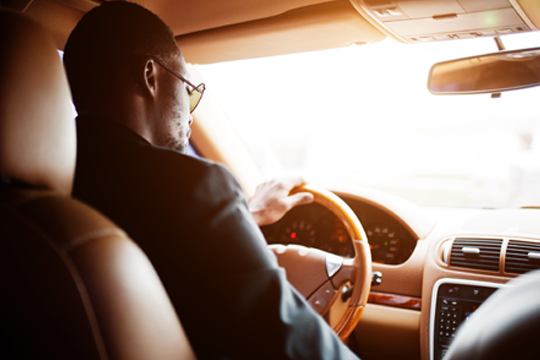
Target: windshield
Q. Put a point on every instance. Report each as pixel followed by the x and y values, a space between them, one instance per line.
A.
pixel 362 115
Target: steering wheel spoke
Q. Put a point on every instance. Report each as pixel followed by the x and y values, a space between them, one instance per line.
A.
pixel 305 267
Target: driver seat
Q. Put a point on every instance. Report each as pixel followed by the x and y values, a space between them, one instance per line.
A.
pixel 74 286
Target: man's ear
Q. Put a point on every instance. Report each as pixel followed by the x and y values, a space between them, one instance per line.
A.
pixel 147 77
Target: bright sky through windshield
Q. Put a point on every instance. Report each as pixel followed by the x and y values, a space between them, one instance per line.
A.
pixel 363 115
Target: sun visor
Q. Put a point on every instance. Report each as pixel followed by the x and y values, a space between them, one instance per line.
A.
pixel 329 25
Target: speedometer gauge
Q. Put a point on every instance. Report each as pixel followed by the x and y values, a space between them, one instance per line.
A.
pixel 385 243
pixel 299 231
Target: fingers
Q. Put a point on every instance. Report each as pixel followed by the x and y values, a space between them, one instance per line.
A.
pixel 272 199
pixel 301 198
pixel 294 181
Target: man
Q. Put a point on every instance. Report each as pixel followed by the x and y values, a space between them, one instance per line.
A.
pixel 189 215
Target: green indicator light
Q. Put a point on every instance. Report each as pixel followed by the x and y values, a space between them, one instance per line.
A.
pixel 386 243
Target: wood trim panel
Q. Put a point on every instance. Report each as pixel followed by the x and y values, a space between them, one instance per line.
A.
pixel 399 301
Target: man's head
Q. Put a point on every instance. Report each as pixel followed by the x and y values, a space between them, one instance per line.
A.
pixel 122 56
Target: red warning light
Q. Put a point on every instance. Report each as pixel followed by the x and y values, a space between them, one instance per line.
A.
pixel 293 235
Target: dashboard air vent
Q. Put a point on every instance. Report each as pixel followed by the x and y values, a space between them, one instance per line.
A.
pixel 522 257
pixel 482 254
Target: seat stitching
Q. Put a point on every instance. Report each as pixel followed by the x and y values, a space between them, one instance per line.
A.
pixel 83 239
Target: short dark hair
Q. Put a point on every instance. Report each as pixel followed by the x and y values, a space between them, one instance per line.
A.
pixel 106 39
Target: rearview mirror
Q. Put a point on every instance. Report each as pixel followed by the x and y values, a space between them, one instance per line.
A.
pixel 490 73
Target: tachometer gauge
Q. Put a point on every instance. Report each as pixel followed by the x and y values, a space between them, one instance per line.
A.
pixel 333 236
pixel 298 231
pixel 339 241
pixel 384 242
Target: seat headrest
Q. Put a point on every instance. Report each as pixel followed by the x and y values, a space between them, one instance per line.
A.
pixel 37 129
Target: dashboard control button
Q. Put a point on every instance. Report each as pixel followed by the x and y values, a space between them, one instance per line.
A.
pixel 321 298
pixel 454 290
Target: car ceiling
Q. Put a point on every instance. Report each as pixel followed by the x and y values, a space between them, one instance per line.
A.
pixel 211 31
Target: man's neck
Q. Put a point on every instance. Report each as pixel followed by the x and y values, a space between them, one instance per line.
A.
pixel 132 114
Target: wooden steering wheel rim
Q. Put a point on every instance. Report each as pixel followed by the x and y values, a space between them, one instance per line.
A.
pixel 361 261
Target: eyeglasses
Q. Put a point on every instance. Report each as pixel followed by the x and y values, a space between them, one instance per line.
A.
pixel 195 92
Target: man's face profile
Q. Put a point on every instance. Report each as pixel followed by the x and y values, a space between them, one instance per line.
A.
pixel 174 106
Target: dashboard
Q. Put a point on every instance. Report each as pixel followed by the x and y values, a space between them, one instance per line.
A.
pixel 427 287
pixel 315 226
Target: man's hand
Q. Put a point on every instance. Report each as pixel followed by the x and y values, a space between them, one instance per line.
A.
pixel 272 200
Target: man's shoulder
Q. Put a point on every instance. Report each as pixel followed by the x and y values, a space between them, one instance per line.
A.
pixel 194 178
pixel 168 160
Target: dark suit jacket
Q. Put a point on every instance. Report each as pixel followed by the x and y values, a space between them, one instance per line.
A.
pixel 191 218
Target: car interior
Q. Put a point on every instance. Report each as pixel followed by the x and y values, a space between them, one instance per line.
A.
pixel 396 278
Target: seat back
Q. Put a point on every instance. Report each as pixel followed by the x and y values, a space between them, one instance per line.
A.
pixel 74 286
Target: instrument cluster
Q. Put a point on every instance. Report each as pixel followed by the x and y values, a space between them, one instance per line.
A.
pixel 315 226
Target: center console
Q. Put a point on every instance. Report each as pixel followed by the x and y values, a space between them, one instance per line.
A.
pixel 452 302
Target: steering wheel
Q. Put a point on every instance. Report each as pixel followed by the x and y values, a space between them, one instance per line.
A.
pixel 318 275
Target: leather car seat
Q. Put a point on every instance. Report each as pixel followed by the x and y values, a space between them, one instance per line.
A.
pixel 73 285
